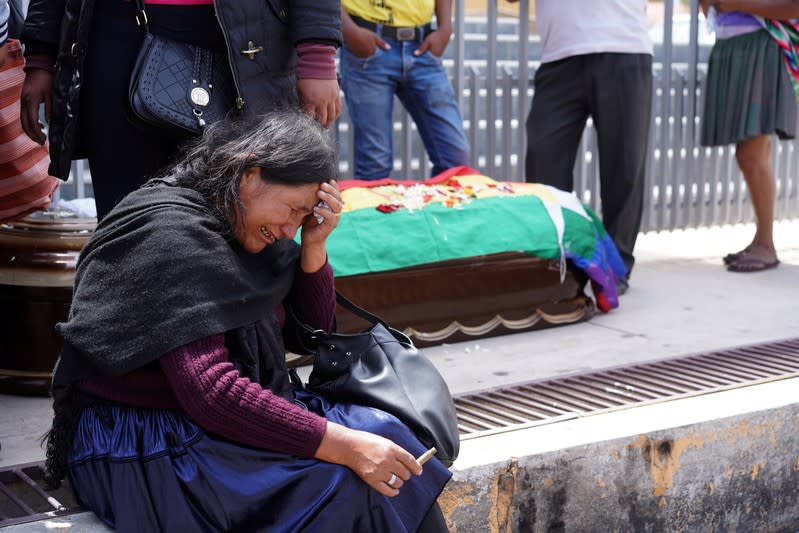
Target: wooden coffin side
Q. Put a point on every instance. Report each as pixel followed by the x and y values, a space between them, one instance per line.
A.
pixel 468 298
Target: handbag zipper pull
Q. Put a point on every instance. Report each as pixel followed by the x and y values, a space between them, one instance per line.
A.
pixel 199 115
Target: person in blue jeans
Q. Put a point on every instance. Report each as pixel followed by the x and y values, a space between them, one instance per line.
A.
pixel 390 48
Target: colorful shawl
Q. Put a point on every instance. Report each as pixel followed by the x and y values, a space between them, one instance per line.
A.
pixel 388 225
pixel 786 33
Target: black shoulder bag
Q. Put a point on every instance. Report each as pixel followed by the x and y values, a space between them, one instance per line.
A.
pixel 380 367
pixel 178 85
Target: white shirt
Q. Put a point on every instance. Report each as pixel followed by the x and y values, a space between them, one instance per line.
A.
pixel 576 27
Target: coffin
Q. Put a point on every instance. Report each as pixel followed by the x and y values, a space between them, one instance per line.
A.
pixel 465 299
pixel 37 270
pixel 461 256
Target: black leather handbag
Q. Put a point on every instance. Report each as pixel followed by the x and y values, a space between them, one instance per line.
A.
pixel 380 367
pixel 178 85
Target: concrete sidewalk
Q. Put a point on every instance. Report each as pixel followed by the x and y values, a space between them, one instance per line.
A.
pixel 681 301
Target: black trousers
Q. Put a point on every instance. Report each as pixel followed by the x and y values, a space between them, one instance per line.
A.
pixel 124 153
pixel 616 91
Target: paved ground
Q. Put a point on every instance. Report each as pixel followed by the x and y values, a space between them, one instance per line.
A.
pixel 681 301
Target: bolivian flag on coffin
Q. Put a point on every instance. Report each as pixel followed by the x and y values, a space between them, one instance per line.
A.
pixel 388 225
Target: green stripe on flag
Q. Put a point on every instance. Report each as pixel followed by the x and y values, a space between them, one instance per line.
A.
pixel 581 235
pixel 367 240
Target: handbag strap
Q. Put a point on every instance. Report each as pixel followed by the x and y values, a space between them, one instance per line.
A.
pixel 308 335
pixel 141 16
pixel 359 311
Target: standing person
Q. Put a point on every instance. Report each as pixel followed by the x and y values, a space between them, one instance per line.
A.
pixel 80 55
pixel 596 60
pixel 749 98
pixel 173 405
pixel 391 48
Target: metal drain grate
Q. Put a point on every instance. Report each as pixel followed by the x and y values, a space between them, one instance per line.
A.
pixel 23 497
pixel 551 400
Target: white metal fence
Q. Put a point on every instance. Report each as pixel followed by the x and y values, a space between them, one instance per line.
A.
pixel 687 185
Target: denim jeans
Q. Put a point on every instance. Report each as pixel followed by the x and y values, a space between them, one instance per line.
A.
pixel 422 85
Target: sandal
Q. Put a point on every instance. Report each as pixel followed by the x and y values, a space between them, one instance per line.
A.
pixel 749 263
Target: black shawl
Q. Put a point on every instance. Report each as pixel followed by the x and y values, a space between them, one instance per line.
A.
pixel 160 272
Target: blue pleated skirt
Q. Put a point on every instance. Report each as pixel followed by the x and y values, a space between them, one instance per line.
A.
pixel 148 470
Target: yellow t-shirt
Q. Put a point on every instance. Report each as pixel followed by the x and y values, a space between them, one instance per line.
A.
pixel 392 12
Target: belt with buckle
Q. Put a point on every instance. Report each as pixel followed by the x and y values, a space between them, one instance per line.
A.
pixel 398 33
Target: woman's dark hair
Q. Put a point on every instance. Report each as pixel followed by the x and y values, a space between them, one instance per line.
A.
pixel 289 147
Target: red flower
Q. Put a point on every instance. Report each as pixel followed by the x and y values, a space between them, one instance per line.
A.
pixel 388 208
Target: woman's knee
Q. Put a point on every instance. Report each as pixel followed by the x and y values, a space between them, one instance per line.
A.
pixel 753 155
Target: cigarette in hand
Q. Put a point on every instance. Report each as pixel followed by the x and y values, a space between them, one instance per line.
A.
pixel 422 459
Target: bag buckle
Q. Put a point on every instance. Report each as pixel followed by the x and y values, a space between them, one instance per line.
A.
pixel 406 34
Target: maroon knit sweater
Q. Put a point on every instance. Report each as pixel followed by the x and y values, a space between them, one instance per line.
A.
pixel 199 379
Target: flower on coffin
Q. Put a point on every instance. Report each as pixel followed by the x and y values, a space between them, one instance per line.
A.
pixel 388 208
pixel 452 194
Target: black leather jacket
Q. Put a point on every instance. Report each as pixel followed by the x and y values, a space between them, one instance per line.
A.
pixel 264 80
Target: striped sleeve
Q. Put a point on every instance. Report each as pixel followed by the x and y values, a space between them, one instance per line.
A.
pixel 5 12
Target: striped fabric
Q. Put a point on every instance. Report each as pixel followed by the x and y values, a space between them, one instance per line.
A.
pixel 786 33
pixel 5 13
pixel 25 185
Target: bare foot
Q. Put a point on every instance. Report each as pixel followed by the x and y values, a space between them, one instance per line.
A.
pixel 729 258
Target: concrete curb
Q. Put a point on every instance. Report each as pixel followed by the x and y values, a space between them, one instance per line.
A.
pixel 726 461
pixel 733 473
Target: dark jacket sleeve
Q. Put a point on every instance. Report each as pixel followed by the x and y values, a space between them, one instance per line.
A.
pixel 43 27
pixel 316 21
